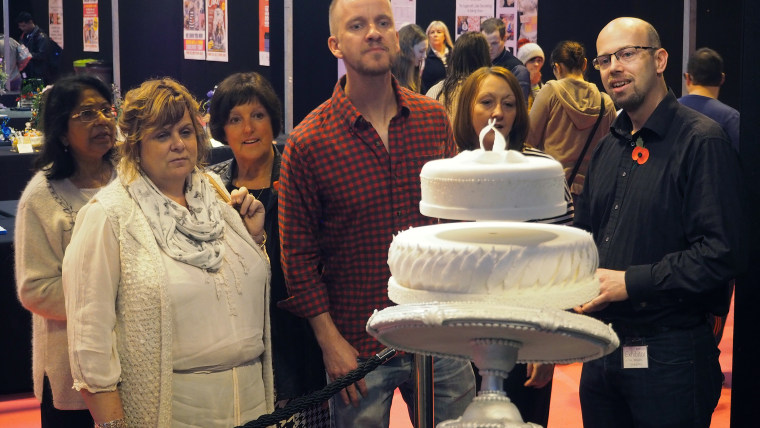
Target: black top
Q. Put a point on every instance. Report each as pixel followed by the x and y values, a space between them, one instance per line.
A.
pixel 434 70
pixel 297 358
pixel 674 224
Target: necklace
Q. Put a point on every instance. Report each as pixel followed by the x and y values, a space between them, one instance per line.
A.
pixel 260 192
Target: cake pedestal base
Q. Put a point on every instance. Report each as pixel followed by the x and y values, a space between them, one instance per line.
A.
pixel 494 337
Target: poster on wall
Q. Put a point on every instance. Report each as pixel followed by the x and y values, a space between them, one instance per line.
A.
pixel 404 12
pixel 216 35
pixel 470 13
pixel 194 28
pixel 264 32
pixel 528 18
pixel 55 21
pixel 90 26
pixel 507 12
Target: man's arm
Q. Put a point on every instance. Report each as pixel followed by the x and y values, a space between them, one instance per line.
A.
pixel 713 221
pixel 523 77
pixel 299 211
pixel 338 355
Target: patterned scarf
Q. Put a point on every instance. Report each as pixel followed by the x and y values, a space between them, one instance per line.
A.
pixel 191 235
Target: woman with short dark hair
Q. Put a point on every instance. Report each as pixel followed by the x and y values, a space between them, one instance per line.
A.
pixel 246 115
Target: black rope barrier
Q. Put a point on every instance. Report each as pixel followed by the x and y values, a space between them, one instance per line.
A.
pixel 308 401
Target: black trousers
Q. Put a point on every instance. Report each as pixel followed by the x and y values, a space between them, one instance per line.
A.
pixel 55 418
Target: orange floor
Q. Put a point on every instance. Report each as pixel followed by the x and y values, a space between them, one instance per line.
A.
pixel 24 411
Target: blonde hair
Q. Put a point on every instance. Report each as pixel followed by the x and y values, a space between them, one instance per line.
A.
pixel 153 105
pixel 440 25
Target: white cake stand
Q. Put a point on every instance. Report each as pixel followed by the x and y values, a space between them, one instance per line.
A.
pixel 494 337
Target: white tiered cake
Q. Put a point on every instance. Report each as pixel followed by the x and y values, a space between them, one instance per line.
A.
pixel 525 264
pixel 493 291
pixel 486 185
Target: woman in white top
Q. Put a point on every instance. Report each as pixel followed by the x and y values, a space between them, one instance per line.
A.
pixel 166 284
pixel 79 128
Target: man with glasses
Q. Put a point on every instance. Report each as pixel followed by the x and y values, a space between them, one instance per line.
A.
pixel 662 199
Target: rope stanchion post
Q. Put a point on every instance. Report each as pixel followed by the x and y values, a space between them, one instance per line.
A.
pixel 423 375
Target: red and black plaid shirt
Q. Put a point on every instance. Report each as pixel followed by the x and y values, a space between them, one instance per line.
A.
pixel 343 196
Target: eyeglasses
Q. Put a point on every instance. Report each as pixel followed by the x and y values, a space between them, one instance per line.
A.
pixel 90 115
pixel 625 55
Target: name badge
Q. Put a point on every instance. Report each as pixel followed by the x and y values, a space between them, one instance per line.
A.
pixel 635 357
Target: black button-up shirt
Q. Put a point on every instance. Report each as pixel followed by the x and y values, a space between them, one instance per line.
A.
pixel 674 224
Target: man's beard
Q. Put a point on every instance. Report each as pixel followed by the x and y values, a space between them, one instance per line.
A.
pixel 374 68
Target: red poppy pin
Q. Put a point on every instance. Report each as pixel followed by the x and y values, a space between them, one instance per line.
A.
pixel 640 153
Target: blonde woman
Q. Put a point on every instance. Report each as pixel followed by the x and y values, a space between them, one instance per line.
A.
pixel 166 283
pixel 438 54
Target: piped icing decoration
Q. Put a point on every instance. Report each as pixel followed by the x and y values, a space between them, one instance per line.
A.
pixel 640 153
pixel 499 143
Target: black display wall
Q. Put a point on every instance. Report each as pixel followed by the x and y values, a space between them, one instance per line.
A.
pixel 151 39
pixel 151 45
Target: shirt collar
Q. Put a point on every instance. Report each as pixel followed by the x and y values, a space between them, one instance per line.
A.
pixel 658 122
pixel 352 116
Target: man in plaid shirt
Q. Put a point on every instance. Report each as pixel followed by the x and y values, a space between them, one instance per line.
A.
pixel 349 181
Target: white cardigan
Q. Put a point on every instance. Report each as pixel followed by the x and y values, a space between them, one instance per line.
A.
pixel 143 315
pixel 46 213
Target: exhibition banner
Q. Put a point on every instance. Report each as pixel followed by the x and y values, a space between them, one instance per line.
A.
pixel 55 21
pixel 216 36
pixel 90 26
pixel 194 29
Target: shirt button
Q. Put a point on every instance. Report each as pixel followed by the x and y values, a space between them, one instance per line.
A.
pixel 399 213
pixel 606 239
pixel 624 173
pixel 617 206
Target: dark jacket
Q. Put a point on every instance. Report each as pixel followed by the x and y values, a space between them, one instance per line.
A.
pixel 41 66
pixel 434 70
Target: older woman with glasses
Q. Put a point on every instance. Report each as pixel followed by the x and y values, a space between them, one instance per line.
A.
pixel 75 162
pixel 167 281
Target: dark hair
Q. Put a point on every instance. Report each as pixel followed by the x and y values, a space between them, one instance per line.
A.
pixel 705 67
pixel 24 17
pixel 464 134
pixel 57 104
pixel 491 25
pixel 470 53
pixel 571 54
pixel 156 103
pixel 405 67
pixel 238 89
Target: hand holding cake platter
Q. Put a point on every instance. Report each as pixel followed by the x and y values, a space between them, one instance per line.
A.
pixel 493 291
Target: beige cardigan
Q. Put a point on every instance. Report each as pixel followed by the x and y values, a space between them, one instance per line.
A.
pixel 46 213
pixel 561 120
